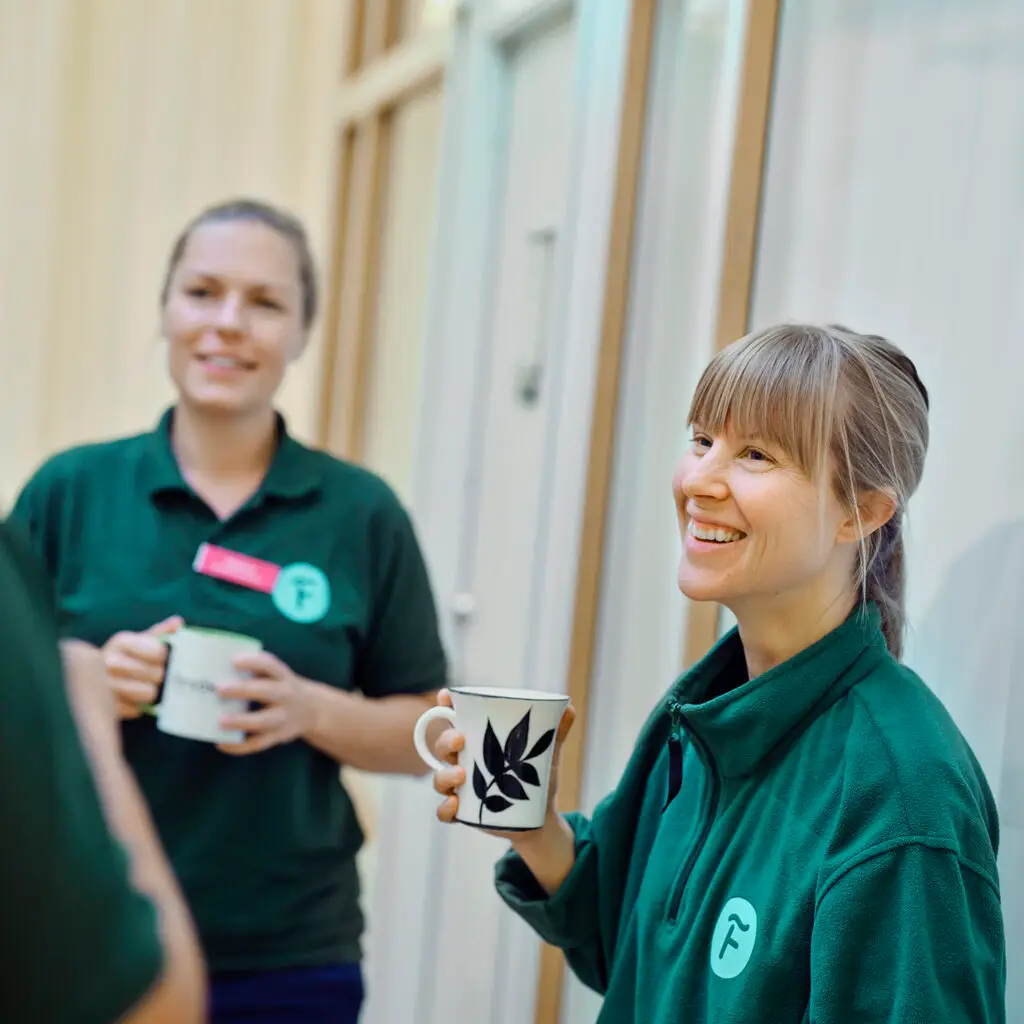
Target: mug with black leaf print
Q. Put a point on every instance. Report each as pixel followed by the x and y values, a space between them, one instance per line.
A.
pixel 510 740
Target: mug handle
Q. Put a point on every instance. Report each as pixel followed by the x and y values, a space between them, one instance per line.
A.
pixel 154 709
pixel 419 735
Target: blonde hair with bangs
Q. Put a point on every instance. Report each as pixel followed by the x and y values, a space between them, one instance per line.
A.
pixel 830 396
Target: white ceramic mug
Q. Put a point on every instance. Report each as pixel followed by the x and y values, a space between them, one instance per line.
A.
pixel 198 660
pixel 510 740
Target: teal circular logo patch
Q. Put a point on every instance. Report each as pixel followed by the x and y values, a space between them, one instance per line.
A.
pixel 733 941
pixel 302 593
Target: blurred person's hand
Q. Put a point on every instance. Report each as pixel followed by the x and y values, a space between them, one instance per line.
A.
pixel 179 993
pixel 90 697
pixel 135 664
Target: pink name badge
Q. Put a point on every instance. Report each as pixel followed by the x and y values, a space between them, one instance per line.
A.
pixel 243 570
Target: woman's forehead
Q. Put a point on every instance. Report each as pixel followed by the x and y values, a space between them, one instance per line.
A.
pixel 243 250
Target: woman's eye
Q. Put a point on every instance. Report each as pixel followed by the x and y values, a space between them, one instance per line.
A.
pixel 198 292
pixel 269 304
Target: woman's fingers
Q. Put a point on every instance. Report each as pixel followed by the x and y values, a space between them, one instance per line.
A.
pixel 122 665
pixel 565 725
pixel 134 692
pixel 448 745
pixel 170 625
pixel 127 712
pixel 448 781
pixel 447 811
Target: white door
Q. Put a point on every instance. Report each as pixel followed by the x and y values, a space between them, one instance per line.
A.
pixel 508 498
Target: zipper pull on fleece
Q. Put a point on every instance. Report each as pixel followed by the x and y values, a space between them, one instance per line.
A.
pixel 675 756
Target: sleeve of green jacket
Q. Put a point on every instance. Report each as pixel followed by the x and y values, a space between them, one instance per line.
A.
pixel 576 918
pixel 585 916
pixel 909 934
pixel 80 943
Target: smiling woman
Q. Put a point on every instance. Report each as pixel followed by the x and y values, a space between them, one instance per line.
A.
pixel 238 299
pixel 807 445
pixel 220 518
pixel 802 833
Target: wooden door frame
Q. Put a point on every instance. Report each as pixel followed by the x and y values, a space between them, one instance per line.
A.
pixel 380 72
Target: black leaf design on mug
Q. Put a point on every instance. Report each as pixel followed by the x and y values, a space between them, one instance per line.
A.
pixel 541 745
pixel 479 782
pixel 507 767
pixel 494 757
pixel 515 744
pixel 512 787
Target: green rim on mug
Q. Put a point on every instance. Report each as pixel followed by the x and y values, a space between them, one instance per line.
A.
pixel 205 631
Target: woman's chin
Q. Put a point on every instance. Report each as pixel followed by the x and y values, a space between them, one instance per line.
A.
pixel 700 586
pixel 218 401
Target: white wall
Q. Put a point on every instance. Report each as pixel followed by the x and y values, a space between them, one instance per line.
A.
pixel 895 205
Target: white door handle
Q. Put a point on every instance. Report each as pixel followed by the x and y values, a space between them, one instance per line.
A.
pixel 530 370
pixel 463 607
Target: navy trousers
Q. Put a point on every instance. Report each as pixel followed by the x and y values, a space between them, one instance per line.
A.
pixel 331 994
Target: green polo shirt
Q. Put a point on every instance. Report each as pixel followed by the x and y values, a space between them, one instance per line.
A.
pixel 815 844
pixel 79 944
pixel 264 845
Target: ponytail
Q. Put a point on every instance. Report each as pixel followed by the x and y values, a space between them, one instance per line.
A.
pixel 884 582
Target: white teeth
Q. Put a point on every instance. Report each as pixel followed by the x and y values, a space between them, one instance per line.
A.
pixel 713 533
pixel 224 361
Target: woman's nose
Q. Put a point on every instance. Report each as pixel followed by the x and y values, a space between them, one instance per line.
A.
pixel 229 316
pixel 702 476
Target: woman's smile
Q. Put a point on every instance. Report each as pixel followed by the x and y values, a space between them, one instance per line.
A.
pixel 703 539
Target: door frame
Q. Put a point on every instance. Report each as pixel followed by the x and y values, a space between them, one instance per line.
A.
pixel 416 909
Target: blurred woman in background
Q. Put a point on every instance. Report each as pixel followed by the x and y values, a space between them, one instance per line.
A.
pixel 219 518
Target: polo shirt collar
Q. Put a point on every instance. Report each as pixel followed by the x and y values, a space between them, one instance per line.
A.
pixel 294 471
pixel 741 727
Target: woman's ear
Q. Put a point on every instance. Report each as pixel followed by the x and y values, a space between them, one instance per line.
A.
pixel 874 510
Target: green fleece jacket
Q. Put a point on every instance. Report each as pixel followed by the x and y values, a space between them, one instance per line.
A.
pixel 815 845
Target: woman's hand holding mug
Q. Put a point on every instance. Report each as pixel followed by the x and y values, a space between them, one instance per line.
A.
pixel 509 743
pixel 449 781
pixel 135 664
